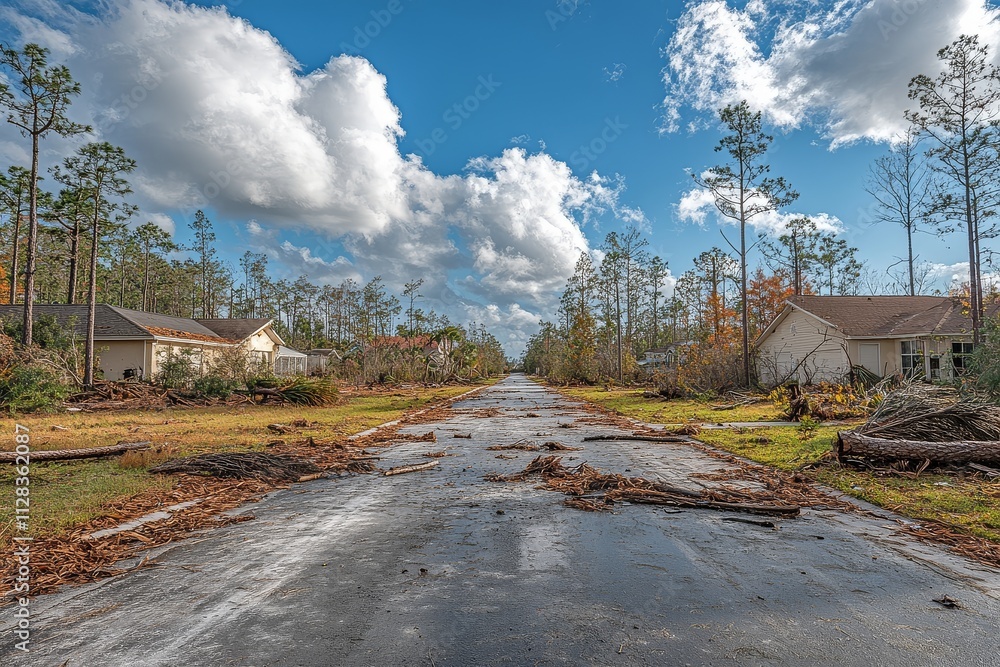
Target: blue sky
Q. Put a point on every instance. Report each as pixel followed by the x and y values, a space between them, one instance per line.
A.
pixel 540 126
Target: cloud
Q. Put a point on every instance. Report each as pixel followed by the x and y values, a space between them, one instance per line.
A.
pixel 219 115
pixel 697 206
pixel 843 69
pixel 616 72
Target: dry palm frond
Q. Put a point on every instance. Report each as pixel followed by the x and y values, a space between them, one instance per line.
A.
pixel 933 414
pixel 309 391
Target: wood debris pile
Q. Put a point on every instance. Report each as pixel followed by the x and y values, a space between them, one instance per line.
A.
pixel 109 395
pixel 241 465
pixel 926 423
pixel 72 558
pixel 594 490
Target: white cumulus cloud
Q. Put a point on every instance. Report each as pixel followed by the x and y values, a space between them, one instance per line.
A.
pixel 843 66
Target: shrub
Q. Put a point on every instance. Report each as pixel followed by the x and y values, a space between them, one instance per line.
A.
pixel 30 387
pixel 215 386
pixel 176 369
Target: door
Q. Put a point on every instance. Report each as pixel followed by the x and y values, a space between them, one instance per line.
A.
pixel 869 357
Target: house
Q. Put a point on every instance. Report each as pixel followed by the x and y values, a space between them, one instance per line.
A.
pixel 667 356
pixel 133 343
pixel 820 338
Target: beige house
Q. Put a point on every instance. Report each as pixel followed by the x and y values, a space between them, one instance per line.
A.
pixel 132 343
pixel 819 338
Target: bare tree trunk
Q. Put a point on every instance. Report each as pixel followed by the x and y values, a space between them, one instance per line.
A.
pixel 88 354
pixel 850 443
pixel 29 268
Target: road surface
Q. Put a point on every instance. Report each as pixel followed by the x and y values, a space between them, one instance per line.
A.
pixel 441 568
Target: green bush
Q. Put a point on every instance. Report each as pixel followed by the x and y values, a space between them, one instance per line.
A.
pixel 30 388
pixel 215 386
pixel 176 369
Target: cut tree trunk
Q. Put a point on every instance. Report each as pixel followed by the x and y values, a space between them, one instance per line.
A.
pixel 82 453
pixel 850 443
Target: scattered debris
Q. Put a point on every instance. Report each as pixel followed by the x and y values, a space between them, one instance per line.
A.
pixel 947 602
pixel 402 470
pixel 80 453
pixel 241 465
pixel 554 446
pixel 752 522
pixel 280 428
pixel 532 414
pixel 583 480
pixel 466 436
pixel 434 455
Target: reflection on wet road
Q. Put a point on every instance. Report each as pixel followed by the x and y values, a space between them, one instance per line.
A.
pixel 442 568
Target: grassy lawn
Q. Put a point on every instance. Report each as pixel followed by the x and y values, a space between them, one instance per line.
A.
pixel 631 403
pixel 966 505
pixel 67 493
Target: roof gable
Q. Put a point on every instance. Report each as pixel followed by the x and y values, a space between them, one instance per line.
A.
pixel 235 329
pixel 884 316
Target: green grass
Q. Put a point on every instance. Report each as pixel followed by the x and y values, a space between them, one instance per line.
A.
pixel 968 506
pixel 64 494
pixel 654 411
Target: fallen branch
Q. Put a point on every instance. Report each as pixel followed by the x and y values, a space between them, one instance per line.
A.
pixel 82 453
pixel 582 480
pixel 658 498
pixel 643 438
pixel 401 470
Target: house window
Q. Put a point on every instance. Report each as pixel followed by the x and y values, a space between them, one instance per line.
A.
pixel 912 353
pixel 959 356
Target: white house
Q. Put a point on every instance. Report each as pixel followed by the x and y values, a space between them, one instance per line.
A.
pixel 819 338
pixel 133 343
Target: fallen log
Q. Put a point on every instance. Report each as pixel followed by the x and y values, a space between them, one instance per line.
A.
pixel 851 443
pixel 81 453
pixel 400 470
pixel 643 438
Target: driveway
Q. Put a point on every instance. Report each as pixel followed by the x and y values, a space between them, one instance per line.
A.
pixel 440 567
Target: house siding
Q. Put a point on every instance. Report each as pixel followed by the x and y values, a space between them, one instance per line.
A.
pixel 799 336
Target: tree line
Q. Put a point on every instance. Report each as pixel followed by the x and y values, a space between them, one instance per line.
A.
pixel 70 237
pixel 940 176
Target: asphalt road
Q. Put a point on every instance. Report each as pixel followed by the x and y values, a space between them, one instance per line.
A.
pixel 442 568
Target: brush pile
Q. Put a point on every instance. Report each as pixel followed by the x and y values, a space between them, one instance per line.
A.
pixel 113 395
pixel 244 465
pixel 594 490
pixel 927 423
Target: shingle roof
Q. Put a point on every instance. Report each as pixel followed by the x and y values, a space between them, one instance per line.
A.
pixel 236 329
pixel 889 316
pixel 112 322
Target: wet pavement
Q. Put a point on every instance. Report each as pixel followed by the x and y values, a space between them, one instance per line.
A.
pixel 442 568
